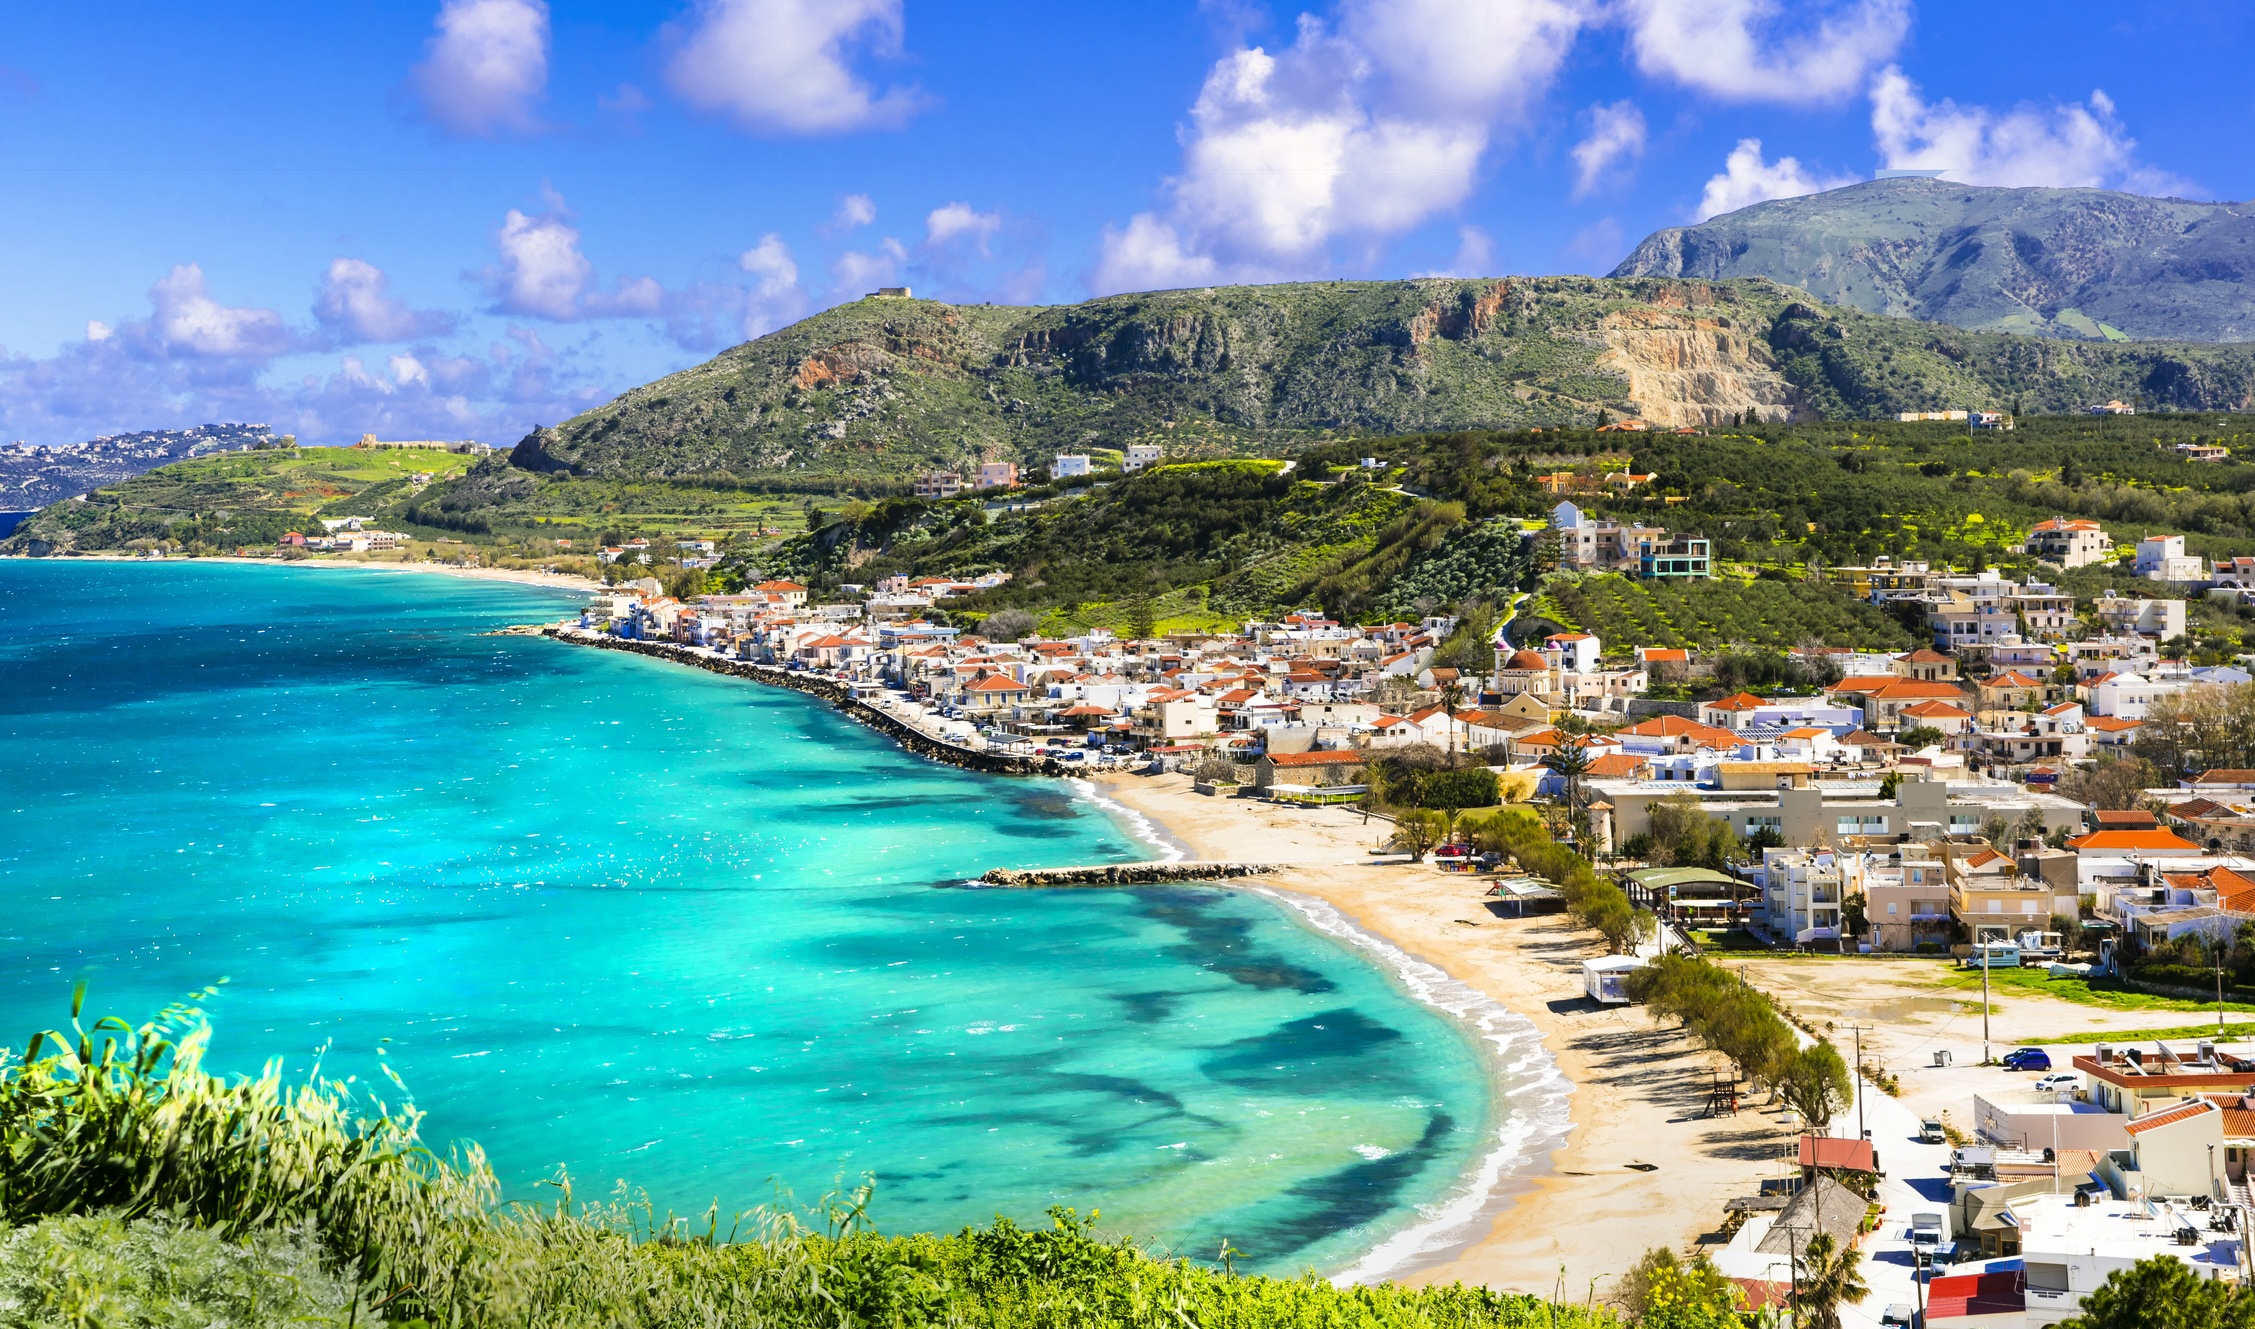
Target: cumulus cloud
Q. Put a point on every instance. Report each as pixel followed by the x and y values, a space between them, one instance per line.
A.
pixel 354 306
pixel 855 269
pixel 1747 179
pixel 185 321
pixel 543 274
pixel 785 66
pixel 954 223
pixel 1616 136
pixel 486 66
pixel 854 211
pixel 2062 145
pixel 1742 50
pixel 1362 130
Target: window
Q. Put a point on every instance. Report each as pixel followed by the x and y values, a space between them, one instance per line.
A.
pixel 1964 824
pixel 1890 908
pixel 1861 825
pixel 1996 906
pixel 1754 824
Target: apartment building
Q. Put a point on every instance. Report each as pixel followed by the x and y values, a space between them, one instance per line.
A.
pixel 938 484
pixel 2161 619
pixel 2163 558
pixel 1802 892
pixel 2069 542
pixel 997 475
pixel 1141 455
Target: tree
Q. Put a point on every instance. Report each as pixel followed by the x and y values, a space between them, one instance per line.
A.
pixel 1998 832
pixel 1855 915
pixel 1007 625
pixel 1663 1291
pixel 1451 697
pixel 1416 832
pixel 2115 784
pixel 1815 1081
pixel 1623 925
pixel 1570 759
pixel 1920 736
pixel 1829 1280
pixel 2162 1292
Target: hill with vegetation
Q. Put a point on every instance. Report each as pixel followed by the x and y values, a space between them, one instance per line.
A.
pixel 2082 264
pixel 873 392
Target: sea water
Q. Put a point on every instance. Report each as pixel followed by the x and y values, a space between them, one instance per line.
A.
pixel 646 924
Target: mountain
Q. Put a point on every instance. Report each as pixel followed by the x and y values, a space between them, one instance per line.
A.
pixel 2069 263
pixel 33 477
pixel 874 391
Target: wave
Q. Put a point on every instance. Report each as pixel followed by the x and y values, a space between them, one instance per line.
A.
pixel 1534 1092
pixel 1138 826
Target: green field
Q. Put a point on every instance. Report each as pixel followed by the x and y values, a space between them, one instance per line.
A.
pixel 1723 612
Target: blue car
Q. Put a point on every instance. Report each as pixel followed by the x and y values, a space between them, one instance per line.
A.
pixel 2027 1059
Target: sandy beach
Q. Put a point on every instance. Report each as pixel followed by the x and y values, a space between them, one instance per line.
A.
pixel 555 580
pixel 1639 1094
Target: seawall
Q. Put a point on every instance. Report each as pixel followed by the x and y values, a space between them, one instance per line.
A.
pixel 1124 874
pixel 837 694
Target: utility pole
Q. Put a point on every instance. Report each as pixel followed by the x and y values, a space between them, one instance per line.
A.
pixel 1858 1029
pixel 2217 949
pixel 1986 955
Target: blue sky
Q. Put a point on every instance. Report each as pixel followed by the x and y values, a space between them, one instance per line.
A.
pixel 458 218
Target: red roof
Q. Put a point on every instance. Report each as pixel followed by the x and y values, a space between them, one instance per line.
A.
pixel 1666 655
pixel 1937 710
pixel 995 683
pixel 2136 819
pixel 2131 841
pixel 2224 777
pixel 1315 759
pixel 2012 678
pixel 2171 1116
pixel 1831 1151
pixel 1743 701
pixel 2112 724
pixel 1615 765
pixel 1956 1296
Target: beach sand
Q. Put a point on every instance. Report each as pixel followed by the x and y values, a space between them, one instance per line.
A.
pixel 556 580
pixel 1639 1092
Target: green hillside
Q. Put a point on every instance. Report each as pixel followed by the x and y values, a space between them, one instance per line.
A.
pixel 872 392
pixel 2083 264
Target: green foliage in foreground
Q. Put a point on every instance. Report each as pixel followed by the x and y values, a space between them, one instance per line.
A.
pixel 143 1191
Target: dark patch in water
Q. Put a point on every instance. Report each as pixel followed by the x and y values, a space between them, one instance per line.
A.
pixel 1024 832
pixel 1147 1007
pixel 1047 806
pixel 1286 1053
pixel 1346 1198
pixel 1223 942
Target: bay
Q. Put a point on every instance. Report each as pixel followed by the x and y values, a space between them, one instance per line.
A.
pixel 675 931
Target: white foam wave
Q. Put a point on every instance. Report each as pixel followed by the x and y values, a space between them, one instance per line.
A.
pixel 1138 825
pixel 1537 1091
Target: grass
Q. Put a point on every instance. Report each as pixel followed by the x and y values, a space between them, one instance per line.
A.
pixel 2081 991
pixel 2240 1033
pixel 136 1189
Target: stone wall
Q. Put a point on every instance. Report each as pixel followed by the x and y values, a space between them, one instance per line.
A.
pixel 830 690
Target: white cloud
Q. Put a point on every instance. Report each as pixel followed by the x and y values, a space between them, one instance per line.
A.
pixel 1747 179
pixel 96 330
pixel 185 321
pixel 543 273
pixel 1616 135
pixel 854 210
pixel 854 270
pixel 770 260
pixel 783 66
pixel 354 306
pixel 406 369
pixel 1365 131
pixel 953 221
pixel 2065 145
pixel 1740 50
pixel 486 66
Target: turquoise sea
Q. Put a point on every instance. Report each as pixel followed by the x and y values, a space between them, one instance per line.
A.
pixel 649 924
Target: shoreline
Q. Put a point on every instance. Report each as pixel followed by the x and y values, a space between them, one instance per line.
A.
pixel 1555 1202
pixel 557 581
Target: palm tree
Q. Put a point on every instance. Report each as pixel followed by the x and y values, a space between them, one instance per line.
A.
pixel 1452 696
pixel 1830 1281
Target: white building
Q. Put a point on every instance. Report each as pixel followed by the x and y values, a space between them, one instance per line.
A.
pixel 2164 619
pixel 2067 1249
pixel 1068 465
pixel 1802 890
pixel 2163 558
pixel 2070 542
pixel 1140 455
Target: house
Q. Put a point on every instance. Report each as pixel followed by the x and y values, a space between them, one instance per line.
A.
pixel 2163 558
pixel 1140 455
pixel 1308 768
pixel 1926 665
pixel 1951 719
pixel 1685 556
pixel 2163 619
pixel 997 475
pixel 792 594
pixel 2069 542
pixel 2013 690
pixel 1068 465
pixel 938 484
pixel 1991 1299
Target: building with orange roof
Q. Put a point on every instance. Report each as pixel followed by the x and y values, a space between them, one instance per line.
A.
pixel 2070 542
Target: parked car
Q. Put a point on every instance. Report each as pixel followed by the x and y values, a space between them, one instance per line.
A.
pixel 1900 1313
pixel 2027 1059
pixel 2058 1080
pixel 1930 1131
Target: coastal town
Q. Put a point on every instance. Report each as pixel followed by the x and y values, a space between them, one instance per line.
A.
pixel 1958 809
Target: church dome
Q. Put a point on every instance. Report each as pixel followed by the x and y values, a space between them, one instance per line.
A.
pixel 1526 660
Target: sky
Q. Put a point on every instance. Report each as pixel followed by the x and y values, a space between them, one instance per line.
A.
pixel 463 218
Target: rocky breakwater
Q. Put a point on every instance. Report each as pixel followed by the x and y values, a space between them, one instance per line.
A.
pixel 829 689
pixel 1124 874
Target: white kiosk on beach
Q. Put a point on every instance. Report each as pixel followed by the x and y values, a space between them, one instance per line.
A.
pixel 1606 978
